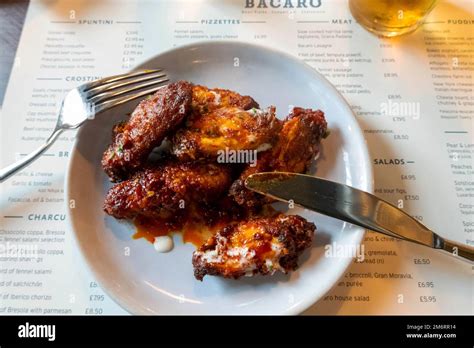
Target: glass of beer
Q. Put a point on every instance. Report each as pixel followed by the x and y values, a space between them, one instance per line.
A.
pixel 390 17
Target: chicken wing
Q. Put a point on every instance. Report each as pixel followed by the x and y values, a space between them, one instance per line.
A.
pixel 255 246
pixel 226 129
pixel 207 100
pixel 152 120
pixel 297 145
pixel 160 191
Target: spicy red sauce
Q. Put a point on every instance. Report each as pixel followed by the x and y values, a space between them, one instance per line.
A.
pixel 196 227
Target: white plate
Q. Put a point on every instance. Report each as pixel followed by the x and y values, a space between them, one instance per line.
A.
pixel 146 282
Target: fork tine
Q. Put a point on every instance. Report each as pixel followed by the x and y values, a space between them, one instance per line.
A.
pixel 103 106
pixel 101 97
pixel 115 85
pixel 120 77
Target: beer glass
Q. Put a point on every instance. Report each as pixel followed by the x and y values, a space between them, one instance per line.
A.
pixel 390 17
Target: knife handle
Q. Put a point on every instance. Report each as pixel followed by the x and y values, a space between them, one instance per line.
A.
pixel 458 249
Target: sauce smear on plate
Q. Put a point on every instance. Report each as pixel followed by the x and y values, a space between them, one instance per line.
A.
pixel 195 228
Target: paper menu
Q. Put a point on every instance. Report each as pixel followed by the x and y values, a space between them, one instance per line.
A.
pixel 412 96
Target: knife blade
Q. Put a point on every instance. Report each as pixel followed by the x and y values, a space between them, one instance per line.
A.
pixel 349 204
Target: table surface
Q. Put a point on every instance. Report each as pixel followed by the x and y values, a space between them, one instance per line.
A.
pixel 12 17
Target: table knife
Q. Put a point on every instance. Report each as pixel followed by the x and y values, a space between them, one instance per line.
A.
pixel 349 204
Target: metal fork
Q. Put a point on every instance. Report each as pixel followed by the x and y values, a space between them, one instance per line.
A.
pixel 86 101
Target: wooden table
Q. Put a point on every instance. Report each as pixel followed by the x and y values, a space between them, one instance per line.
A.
pixel 12 17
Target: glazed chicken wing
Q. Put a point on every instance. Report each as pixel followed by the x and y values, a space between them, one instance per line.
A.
pixel 224 129
pixel 255 246
pixel 160 191
pixel 152 120
pixel 207 100
pixel 297 145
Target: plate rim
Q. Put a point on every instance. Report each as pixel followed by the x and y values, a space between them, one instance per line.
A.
pixel 359 231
